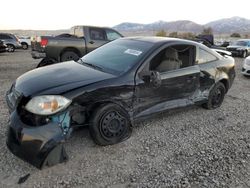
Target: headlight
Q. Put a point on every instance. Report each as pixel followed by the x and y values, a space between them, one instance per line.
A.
pixel 47 104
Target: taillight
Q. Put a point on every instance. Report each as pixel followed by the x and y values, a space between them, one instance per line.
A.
pixel 44 42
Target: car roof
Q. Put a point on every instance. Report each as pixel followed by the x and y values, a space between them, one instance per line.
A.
pixel 158 41
pixel 161 40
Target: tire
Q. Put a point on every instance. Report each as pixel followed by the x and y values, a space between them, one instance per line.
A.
pixel 247 76
pixel 216 96
pixel 24 46
pixel 45 61
pixel 10 48
pixel 69 55
pixel 109 125
pixel 244 54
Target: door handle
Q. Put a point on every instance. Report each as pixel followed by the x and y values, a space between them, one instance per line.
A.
pixel 91 42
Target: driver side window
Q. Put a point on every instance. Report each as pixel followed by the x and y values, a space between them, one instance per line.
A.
pixel 173 58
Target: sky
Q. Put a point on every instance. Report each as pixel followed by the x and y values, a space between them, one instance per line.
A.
pixel 63 14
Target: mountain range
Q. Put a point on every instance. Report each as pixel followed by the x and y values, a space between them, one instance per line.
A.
pixel 221 26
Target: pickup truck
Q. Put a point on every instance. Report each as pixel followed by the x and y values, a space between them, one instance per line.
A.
pixel 71 46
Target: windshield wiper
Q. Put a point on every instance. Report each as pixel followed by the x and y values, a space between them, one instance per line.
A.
pixel 90 65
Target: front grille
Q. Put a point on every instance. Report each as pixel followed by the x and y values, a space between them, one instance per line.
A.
pixel 248 71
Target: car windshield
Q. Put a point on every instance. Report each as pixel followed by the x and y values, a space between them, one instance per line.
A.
pixel 118 56
pixel 240 43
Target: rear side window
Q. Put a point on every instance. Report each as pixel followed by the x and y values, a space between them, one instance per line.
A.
pixel 112 35
pixel 3 36
pixel 97 34
pixel 205 57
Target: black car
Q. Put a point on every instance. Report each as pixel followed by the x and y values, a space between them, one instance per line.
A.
pixel 240 48
pixel 108 90
pixel 3 47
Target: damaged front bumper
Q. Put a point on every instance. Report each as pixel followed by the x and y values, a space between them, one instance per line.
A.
pixel 40 146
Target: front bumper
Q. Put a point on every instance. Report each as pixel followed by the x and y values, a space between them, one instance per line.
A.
pixel 38 55
pixel 40 146
pixel 246 70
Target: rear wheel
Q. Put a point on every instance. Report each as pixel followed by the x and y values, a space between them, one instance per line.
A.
pixel 69 55
pixel 10 48
pixel 109 125
pixel 216 96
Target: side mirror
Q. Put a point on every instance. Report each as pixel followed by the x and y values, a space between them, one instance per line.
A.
pixel 153 78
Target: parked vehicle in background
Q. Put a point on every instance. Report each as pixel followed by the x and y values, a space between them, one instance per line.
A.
pixel 240 48
pixel 208 40
pixel 25 42
pixel 80 41
pixel 246 67
pixel 108 90
pixel 3 47
pixel 11 41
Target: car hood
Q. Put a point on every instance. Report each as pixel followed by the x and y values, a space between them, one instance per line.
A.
pixel 235 46
pixel 58 78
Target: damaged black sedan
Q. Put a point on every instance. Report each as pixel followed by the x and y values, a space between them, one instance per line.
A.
pixel 108 90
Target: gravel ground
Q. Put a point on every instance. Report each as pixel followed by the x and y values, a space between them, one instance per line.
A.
pixel 190 147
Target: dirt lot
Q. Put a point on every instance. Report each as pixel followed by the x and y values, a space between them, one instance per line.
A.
pixel 190 147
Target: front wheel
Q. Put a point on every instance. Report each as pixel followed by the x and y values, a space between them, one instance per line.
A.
pixel 109 125
pixel 24 46
pixel 216 96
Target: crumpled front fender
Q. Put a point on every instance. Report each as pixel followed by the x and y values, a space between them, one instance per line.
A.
pixel 40 146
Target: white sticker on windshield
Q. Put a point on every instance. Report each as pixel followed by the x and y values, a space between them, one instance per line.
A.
pixel 133 52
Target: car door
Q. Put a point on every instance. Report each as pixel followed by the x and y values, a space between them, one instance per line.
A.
pixel 97 38
pixel 177 85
